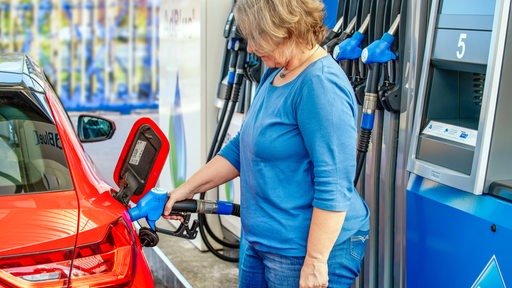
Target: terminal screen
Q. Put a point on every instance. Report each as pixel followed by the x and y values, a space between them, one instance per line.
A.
pixel 468 7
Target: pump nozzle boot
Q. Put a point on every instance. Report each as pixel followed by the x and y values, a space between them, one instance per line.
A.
pixel 379 51
pixel 151 207
pixel 350 48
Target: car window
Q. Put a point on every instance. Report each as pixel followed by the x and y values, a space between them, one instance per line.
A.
pixel 32 158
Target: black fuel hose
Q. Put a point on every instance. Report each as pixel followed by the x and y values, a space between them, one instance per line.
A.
pixel 229 88
pixel 207 207
pixel 371 93
pixel 237 85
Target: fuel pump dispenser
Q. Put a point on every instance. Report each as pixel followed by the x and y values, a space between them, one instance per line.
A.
pixel 371 56
pixel 376 54
pixel 458 194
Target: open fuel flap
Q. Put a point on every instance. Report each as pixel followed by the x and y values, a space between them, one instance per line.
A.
pixel 141 161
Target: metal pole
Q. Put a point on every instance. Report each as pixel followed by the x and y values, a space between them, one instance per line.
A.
pixel 34 46
pixel 2 16
pixel 154 49
pixel 94 39
pixel 131 39
pixel 83 54
pixel 72 52
pixel 12 18
pixel 56 43
pixel 108 47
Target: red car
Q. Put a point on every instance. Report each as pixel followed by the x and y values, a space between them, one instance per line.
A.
pixel 62 225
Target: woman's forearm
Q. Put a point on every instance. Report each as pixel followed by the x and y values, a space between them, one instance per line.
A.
pixel 323 232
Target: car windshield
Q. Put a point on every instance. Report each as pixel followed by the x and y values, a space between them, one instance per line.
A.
pixel 32 158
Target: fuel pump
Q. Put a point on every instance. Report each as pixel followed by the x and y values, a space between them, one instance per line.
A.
pixel 458 227
pixel 375 74
pixel 374 55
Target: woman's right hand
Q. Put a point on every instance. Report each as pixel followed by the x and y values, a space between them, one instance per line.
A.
pixel 178 194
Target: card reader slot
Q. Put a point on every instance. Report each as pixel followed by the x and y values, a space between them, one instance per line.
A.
pixel 445 153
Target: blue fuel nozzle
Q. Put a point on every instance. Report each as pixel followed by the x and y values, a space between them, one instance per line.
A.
pixel 151 206
pixel 350 48
pixel 378 51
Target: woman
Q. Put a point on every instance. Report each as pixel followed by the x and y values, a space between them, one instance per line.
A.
pixel 302 219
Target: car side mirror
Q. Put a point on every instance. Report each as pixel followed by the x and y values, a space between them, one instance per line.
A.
pixel 93 128
pixel 141 161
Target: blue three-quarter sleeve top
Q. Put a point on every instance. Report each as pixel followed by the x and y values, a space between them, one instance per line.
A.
pixel 297 150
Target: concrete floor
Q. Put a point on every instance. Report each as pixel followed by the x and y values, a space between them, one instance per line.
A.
pixel 199 269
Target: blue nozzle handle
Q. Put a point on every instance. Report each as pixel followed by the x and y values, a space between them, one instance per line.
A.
pixel 378 51
pixel 350 48
pixel 151 206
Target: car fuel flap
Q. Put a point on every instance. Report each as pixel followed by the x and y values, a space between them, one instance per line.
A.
pixel 141 161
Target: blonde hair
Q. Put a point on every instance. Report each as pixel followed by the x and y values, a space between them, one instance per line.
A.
pixel 267 23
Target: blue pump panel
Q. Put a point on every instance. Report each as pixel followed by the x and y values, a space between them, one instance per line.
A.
pixel 331 13
pixel 457 239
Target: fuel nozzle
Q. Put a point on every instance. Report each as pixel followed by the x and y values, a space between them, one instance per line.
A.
pixel 151 207
pixel 379 51
pixel 350 48
pixel 329 46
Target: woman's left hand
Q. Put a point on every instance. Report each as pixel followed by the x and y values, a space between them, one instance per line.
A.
pixel 314 273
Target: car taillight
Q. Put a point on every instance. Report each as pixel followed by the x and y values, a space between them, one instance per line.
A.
pixel 36 270
pixel 109 262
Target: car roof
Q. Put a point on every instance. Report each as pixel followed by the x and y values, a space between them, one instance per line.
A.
pixel 20 71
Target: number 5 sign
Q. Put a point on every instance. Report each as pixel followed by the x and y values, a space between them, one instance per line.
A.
pixel 461 45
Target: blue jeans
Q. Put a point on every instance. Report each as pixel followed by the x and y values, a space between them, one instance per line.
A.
pixel 263 269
